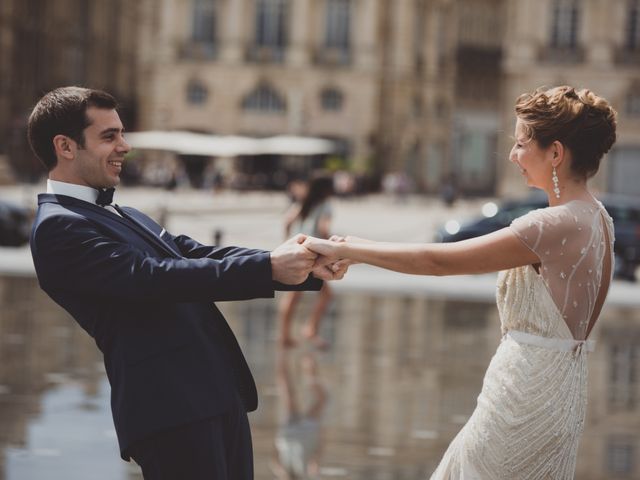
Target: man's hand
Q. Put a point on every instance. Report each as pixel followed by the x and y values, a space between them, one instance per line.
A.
pixel 291 263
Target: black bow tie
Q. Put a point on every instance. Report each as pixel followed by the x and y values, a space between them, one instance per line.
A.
pixel 105 196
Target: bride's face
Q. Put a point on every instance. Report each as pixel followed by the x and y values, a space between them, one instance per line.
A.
pixel 533 161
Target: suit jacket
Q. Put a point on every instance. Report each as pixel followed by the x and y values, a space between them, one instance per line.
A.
pixel 146 297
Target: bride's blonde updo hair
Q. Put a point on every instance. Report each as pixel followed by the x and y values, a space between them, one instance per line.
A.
pixel 581 120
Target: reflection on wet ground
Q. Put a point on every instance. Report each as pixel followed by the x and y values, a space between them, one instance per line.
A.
pixel 383 402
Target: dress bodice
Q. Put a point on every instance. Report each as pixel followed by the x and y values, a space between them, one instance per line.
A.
pixel 524 304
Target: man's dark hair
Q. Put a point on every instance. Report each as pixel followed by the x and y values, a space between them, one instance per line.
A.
pixel 63 111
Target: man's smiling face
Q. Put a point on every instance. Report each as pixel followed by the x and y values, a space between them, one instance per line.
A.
pixel 98 163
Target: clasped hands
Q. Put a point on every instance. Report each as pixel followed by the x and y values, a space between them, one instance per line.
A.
pixel 295 259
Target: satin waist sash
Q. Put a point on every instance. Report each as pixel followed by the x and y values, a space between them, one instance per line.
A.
pixel 559 344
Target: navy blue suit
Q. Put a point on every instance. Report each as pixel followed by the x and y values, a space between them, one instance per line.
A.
pixel 146 297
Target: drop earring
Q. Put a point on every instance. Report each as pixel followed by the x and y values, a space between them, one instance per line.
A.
pixel 556 187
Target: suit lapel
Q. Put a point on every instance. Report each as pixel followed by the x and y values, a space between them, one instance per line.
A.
pixel 144 229
pixel 131 223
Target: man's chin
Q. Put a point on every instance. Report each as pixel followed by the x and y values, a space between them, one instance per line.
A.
pixel 114 182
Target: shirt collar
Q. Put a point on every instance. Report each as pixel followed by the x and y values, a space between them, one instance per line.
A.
pixel 81 192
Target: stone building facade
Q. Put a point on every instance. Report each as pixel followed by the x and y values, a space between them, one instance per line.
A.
pixel 373 75
pixel 591 44
pixel 47 44
pixel 424 87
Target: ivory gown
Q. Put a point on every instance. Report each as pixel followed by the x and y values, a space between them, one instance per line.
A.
pixel 530 412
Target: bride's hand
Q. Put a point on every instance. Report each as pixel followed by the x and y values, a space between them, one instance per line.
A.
pixel 326 249
pixel 327 266
pixel 331 271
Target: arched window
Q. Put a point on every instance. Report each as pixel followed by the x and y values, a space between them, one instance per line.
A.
pixel 441 108
pixel 331 99
pixel 203 21
pixel 336 43
pixel 337 24
pixel 417 106
pixel 419 35
pixel 264 99
pixel 203 35
pixel 271 31
pixel 632 41
pixel 197 93
pixel 564 24
pixel 632 103
pixel 271 23
pixel 620 449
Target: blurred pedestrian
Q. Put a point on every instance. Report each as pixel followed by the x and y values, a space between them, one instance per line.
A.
pixel 312 215
pixel 296 192
pixel 449 191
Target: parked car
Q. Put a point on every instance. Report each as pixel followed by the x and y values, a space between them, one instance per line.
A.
pixel 15 224
pixel 625 212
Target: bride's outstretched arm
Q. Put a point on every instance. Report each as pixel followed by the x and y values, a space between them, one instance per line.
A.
pixel 496 251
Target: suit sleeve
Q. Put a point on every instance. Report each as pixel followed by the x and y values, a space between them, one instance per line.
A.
pixel 73 255
pixel 192 249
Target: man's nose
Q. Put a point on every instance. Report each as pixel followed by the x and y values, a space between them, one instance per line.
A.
pixel 124 147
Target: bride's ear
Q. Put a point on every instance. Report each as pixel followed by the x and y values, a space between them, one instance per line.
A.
pixel 558 153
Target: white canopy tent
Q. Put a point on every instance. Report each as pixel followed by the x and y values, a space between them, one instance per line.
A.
pixel 188 143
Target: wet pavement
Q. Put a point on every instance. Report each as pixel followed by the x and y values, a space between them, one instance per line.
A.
pixel 399 379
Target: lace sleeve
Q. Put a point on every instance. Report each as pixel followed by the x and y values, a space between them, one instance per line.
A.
pixel 545 230
pixel 528 229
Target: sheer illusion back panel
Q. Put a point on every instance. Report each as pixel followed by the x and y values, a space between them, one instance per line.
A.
pixel 573 241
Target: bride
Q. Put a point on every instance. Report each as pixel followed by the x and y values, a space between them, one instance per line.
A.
pixel 555 268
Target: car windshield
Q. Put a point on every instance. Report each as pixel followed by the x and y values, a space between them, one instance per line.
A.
pixel 623 214
pixel 510 212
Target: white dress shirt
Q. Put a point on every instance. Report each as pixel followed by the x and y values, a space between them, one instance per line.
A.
pixel 81 192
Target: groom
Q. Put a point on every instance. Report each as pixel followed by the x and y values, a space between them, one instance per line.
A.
pixel 180 386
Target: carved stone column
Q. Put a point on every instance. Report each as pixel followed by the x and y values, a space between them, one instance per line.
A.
pixel 365 17
pixel 298 53
pixel 234 31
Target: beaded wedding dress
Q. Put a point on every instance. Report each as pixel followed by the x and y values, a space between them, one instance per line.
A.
pixel 530 412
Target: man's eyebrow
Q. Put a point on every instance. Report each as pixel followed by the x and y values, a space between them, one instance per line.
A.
pixel 107 131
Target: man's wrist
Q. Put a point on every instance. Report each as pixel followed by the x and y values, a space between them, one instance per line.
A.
pixel 272 261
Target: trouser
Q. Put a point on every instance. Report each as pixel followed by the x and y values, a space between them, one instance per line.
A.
pixel 217 448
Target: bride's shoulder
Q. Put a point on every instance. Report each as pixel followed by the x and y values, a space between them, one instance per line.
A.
pixel 548 224
pixel 557 215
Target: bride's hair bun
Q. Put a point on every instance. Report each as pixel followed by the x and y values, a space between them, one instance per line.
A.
pixel 584 122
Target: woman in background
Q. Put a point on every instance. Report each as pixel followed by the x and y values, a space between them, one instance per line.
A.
pixel 311 216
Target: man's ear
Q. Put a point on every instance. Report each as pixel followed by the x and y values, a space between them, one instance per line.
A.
pixel 64 147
